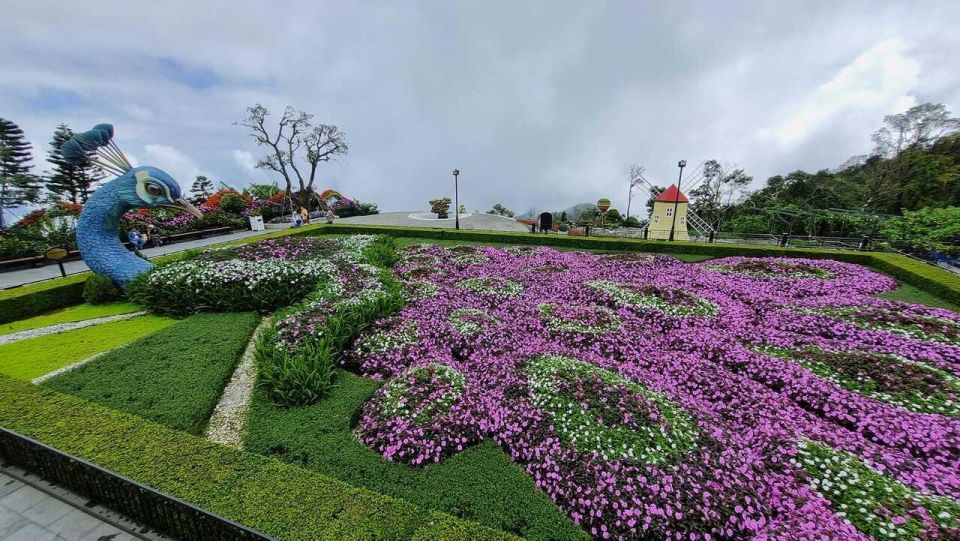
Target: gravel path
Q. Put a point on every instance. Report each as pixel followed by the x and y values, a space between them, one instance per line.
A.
pixel 69 367
pixel 64 327
pixel 230 414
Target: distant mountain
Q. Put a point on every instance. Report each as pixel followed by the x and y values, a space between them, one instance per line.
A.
pixel 573 213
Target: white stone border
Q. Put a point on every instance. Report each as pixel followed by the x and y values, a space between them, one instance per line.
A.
pixel 64 327
pixel 69 367
pixel 432 216
pixel 230 414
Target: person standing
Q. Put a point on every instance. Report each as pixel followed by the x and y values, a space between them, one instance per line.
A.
pixel 304 215
pixel 330 216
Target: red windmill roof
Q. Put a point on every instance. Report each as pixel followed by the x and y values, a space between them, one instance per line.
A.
pixel 671 194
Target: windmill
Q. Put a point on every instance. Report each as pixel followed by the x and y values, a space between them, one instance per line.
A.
pixel 699 226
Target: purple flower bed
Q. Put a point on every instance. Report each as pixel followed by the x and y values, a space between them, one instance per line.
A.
pixel 647 397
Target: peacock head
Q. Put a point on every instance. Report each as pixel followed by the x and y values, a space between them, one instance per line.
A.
pixel 148 187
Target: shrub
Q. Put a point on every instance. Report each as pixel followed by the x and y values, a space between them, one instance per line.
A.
pixel 563 227
pixel 302 377
pixel 232 203
pixel 99 289
pixel 440 207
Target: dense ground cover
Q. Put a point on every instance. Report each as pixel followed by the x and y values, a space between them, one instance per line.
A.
pixel 648 397
pixel 282 500
pixel 480 484
pixel 34 357
pixel 173 377
pixel 68 315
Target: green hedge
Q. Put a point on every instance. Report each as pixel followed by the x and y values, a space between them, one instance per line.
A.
pixel 28 301
pixel 281 500
pixel 173 377
pixel 934 280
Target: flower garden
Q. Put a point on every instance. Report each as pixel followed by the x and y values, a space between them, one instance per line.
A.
pixel 563 394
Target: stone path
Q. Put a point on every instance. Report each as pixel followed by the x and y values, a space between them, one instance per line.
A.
pixel 230 413
pixel 488 222
pixel 38 511
pixel 26 276
pixel 64 327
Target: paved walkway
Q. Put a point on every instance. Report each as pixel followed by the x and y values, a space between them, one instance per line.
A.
pixel 30 514
pixel 489 222
pixel 50 270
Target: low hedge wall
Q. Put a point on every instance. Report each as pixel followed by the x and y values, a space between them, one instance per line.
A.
pixel 934 280
pixel 278 499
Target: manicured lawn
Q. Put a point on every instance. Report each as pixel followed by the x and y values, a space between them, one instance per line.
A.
pixel 28 359
pixel 480 484
pixel 909 293
pixel 173 377
pixel 69 315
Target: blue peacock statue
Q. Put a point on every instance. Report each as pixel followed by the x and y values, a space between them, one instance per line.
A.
pixel 135 187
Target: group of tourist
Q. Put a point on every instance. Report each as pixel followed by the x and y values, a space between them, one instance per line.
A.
pixel 139 240
pixel 299 218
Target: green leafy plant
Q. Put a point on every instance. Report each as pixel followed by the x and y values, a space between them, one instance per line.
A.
pixel 98 289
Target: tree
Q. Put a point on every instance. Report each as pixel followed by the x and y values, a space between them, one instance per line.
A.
pixel 715 194
pixel 261 192
pixel 72 181
pixel 17 185
pixel 201 189
pixel 296 140
pixel 919 127
pixel 634 179
pixel 501 210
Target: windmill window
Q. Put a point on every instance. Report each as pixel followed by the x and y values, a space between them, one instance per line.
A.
pixel 656 218
pixel 683 220
pixel 669 212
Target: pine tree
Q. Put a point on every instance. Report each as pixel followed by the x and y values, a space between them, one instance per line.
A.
pixel 17 185
pixel 66 180
pixel 202 189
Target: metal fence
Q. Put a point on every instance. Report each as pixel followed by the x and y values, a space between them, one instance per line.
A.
pixel 159 511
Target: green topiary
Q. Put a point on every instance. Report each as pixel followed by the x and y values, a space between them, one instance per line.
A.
pixel 232 203
pixel 99 289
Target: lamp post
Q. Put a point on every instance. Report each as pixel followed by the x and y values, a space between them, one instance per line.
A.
pixel 676 200
pixel 456 199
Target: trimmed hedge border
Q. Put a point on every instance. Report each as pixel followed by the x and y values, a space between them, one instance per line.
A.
pixel 278 499
pixel 934 280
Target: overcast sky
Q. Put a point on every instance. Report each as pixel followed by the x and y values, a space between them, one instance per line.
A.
pixel 539 104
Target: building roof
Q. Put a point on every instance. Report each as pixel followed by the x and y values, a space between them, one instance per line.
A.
pixel 671 194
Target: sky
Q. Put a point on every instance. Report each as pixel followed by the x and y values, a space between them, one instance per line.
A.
pixel 538 104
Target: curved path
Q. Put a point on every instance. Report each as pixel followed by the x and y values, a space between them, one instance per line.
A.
pixel 489 222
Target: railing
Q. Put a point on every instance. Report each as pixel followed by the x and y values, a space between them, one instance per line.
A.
pixel 159 511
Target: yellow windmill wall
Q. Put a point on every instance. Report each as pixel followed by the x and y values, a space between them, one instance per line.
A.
pixel 662 217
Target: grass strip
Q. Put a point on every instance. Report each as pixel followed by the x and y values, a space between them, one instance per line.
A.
pixel 281 500
pixel 174 377
pixel 69 315
pixel 480 483
pixel 34 357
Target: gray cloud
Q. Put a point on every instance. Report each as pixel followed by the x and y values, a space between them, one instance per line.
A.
pixel 538 103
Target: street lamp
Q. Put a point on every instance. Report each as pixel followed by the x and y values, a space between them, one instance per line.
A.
pixel 456 198
pixel 676 200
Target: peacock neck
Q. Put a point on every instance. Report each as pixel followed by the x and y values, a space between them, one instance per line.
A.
pixel 98 232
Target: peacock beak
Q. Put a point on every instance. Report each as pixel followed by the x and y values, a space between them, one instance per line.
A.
pixel 184 205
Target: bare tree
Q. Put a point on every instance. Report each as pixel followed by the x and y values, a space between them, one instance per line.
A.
pixel 295 139
pixel 635 178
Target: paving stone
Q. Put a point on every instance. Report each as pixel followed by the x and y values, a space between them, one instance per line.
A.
pixel 32 532
pixel 106 532
pixel 47 511
pixel 74 525
pixel 22 499
pixel 10 522
pixel 8 484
